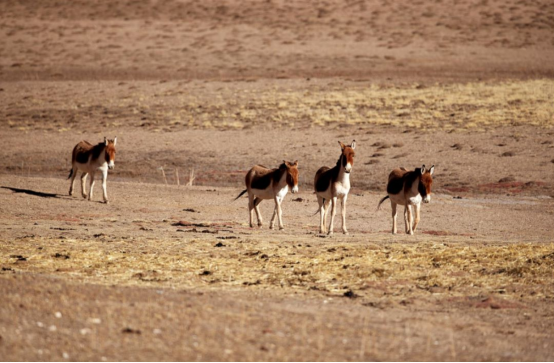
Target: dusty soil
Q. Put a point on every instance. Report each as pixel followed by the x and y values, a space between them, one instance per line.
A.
pixel 204 90
pixel 174 272
pixel 406 40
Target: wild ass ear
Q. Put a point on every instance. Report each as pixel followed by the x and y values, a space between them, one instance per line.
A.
pixel 353 145
pixel 432 170
pixel 114 141
pixel 295 163
pixel 105 140
pixel 423 169
pixel 342 146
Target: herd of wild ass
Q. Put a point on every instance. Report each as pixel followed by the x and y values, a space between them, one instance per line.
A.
pixel 404 187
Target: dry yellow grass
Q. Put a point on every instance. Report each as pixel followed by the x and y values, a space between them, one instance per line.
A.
pixel 165 107
pixel 398 270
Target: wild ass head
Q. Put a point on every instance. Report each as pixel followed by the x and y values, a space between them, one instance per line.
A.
pixel 110 151
pixel 425 183
pixel 347 156
pixel 292 175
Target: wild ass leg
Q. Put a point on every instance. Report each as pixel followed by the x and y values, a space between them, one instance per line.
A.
pixel 393 206
pixel 279 212
pixel 333 213
pixel 91 186
pixel 344 214
pixel 321 203
pixel 250 209
pixel 326 214
pixel 74 171
pixel 417 211
pixel 83 185
pixel 257 202
pixel 410 219
pixel 275 212
pixel 105 192
pixel 406 222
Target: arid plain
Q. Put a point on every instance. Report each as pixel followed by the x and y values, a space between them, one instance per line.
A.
pixel 201 91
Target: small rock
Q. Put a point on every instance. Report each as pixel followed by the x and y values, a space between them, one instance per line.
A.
pixel 507 179
pixel 131 331
pixel 373 161
pixel 94 320
pixel 190 210
pixel 350 294
pixel 19 257
pixel 58 315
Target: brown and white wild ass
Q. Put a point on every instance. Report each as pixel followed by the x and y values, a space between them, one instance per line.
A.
pixel 264 183
pixel 409 188
pixel 331 184
pixel 90 158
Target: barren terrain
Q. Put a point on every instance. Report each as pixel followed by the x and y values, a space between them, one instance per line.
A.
pixel 202 91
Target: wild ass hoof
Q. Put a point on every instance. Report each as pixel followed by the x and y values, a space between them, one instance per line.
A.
pixel 271 226
pixel 106 202
pixel 330 233
pixel 281 228
pixel 345 232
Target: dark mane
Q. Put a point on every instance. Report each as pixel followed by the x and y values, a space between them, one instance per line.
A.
pixel 97 150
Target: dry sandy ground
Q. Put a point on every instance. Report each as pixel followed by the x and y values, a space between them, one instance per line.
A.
pixel 440 40
pixel 173 272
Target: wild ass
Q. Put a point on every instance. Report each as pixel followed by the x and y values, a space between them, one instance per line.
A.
pixel 264 183
pixel 331 184
pixel 409 188
pixel 89 158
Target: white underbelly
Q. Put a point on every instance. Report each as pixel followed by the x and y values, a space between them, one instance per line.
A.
pixel 340 192
pixel 400 199
pixel 90 167
pixel 264 193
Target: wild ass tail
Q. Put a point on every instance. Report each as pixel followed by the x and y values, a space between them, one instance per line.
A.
pixel 240 195
pixel 381 202
pixel 70 173
pixel 317 211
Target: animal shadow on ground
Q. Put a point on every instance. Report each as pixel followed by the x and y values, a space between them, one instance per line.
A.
pixel 32 192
